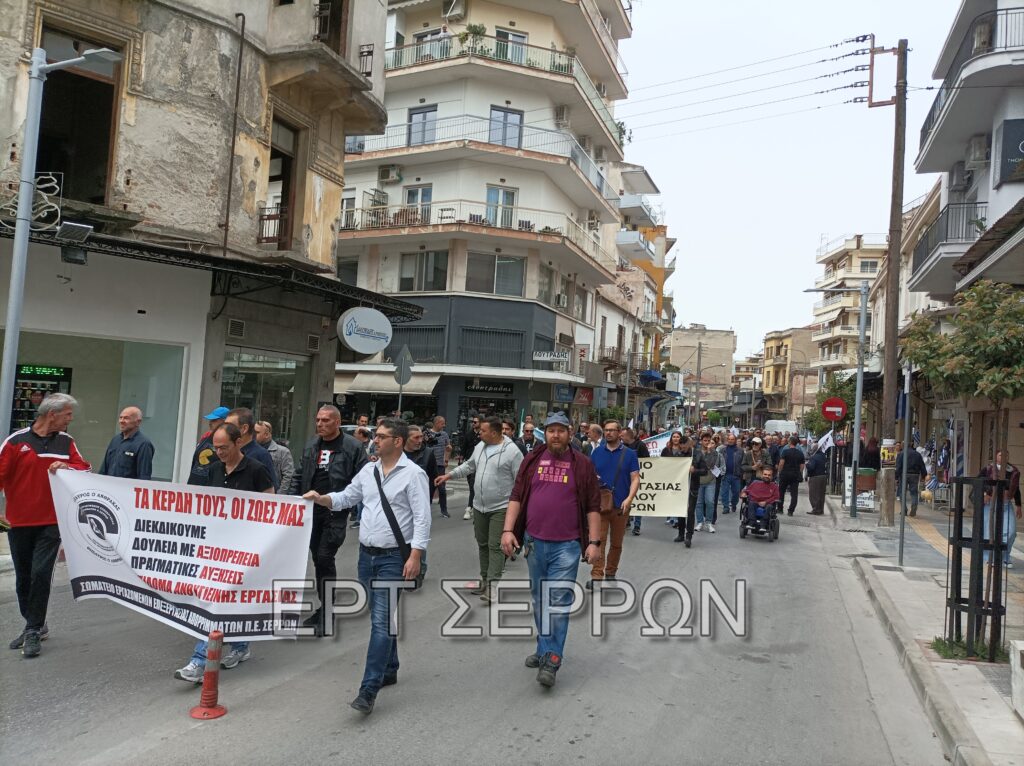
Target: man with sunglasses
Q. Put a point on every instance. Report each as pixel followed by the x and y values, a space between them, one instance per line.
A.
pixel 529 441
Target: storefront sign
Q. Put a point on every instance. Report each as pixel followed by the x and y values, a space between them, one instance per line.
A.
pixel 664 487
pixel 485 387
pixel 584 396
pixel 560 392
pixel 1008 153
pixel 363 330
pixel 551 356
pixel 195 558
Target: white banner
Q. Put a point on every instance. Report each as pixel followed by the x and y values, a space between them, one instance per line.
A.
pixel 655 444
pixel 196 558
pixel 664 487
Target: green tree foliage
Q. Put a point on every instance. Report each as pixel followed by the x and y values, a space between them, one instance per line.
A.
pixel 835 385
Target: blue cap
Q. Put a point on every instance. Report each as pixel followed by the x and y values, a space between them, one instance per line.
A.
pixel 557 419
pixel 218 414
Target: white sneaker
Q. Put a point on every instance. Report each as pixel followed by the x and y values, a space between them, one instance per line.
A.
pixel 468 514
pixel 711 528
pixel 1008 565
pixel 193 673
pixel 232 658
pixel 699 527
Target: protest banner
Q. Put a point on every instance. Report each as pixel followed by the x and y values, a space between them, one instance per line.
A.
pixel 195 558
pixel 655 444
pixel 664 487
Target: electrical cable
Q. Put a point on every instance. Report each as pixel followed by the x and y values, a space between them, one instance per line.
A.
pixel 741 122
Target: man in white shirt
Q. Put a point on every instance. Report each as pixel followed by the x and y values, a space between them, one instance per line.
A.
pixel 382 558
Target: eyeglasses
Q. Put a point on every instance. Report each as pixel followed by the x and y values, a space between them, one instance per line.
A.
pixel 611 430
pixel 379 435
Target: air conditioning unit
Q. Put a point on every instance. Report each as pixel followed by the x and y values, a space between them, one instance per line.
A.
pixel 978 152
pixel 982 38
pixel 587 143
pixel 389 174
pixel 600 154
pixel 602 89
pixel 959 178
pixel 562 117
pixel 453 10
pixel 561 300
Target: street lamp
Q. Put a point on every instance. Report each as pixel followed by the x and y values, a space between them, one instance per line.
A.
pixel 38 69
pixel 863 290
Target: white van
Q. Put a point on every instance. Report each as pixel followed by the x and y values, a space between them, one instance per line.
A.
pixel 782 426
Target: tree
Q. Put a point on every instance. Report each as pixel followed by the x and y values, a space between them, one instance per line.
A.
pixel 835 385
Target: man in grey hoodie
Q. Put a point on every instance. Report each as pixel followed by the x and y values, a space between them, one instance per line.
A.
pixel 495 462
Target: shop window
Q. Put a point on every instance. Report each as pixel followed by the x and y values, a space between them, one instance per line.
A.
pixel 78 122
pixel 490 347
pixel 423 271
pixel 348 271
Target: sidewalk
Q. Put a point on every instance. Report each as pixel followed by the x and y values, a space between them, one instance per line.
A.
pixel 967 702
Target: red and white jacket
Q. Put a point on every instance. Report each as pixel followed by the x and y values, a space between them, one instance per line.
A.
pixel 25 458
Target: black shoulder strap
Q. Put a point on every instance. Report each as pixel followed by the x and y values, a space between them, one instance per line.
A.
pixel 392 521
pixel 615 478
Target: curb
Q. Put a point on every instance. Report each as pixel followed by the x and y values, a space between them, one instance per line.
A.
pixel 958 738
pixel 830 504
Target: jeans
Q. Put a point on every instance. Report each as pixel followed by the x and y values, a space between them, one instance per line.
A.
pixel 789 484
pixel 1009 524
pixel 487 529
pixel 706 503
pixel 730 493
pixel 328 534
pixel 636 522
pixel 382 652
pixel 33 553
pixel 199 653
pixel 471 478
pixel 913 490
pixel 552 562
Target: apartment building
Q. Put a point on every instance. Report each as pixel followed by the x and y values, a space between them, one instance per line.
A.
pixel 789 382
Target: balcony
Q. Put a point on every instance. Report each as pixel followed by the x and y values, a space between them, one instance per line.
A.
pixel 838 301
pixel 633 245
pixel 958 226
pixel 836 275
pixel 553 152
pixel 988 36
pixel 611 356
pixel 851 243
pixel 638 209
pixel 505 58
pixel 835 360
pixel 822 334
pixel 559 237
pixel 274 227
pixel 670 268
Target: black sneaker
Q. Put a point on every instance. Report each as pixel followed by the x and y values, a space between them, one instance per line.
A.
pixel 680 537
pixel 31 647
pixel 688 541
pixel 363 703
pixel 354 524
pixel 589 585
pixel 533 661
pixel 17 643
pixel 549 665
pixel 636 531
pixel 445 515
pixel 390 680
pixel 609 577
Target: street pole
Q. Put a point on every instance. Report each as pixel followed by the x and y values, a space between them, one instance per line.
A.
pixel 906 446
pixel 859 397
pixel 22 229
pixel 890 364
pixel 696 396
pixel 629 371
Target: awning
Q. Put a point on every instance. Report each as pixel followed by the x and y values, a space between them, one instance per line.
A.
pixel 829 317
pixel 384 383
pixel 343 381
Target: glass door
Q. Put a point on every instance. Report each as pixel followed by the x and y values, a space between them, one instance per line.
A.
pixel 501 206
pixel 510 46
pixel 417 205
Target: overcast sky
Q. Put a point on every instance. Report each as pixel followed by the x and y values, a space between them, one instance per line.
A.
pixel 750 203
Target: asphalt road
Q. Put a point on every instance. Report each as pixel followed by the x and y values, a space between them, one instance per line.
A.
pixel 815 681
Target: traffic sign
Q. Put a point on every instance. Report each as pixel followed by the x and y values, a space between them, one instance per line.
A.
pixel 403 366
pixel 833 409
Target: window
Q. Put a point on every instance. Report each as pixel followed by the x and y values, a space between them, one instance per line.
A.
pixel 348 209
pixel 348 271
pixel 506 127
pixel 275 224
pixel 423 271
pixel 501 275
pixel 78 119
pixel 432 44
pixel 501 206
pixel 426 344
pixel 422 125
pixel 604 330
pixel 490 347
pixel 580 305
pixel 417 205
pixel 545 284
pixel 510 46
pixel 868 267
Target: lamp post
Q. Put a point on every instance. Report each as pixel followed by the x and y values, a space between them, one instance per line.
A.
pixel 38 69
pixel 862 342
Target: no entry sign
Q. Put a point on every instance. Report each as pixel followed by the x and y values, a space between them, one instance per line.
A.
pixel 833 409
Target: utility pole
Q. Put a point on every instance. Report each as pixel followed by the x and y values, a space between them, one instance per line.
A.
pixel 696 396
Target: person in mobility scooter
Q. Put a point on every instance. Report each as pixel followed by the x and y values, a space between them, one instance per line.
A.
pixel 761 503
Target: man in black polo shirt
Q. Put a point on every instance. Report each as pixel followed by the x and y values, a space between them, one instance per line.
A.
pixel 130 453
pixel 233 471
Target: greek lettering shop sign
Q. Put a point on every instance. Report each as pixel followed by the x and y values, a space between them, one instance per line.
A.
pixel 1008 152
pixel 365 331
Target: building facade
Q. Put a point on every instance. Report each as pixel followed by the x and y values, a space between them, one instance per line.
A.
pixel 208 277
pixel 789 382
pixel 710 371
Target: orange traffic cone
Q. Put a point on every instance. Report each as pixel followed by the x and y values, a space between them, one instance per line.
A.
pixel 208 709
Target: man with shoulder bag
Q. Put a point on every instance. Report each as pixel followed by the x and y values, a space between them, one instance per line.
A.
pixel 618 470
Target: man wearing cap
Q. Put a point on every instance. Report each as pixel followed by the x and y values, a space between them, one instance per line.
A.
pixel 753 460
pixel 556 500
pixel 204 454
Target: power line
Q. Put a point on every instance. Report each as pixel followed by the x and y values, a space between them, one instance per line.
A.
pixel 744 122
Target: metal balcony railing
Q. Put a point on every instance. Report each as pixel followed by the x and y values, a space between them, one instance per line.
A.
pixel 988 33
pixel 273 225
pixel 511 218
pixel 957 222
pixel 548 60
pixel 611 355
pixel 485 130
pixel 611 47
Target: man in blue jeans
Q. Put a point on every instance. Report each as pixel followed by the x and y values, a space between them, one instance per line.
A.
pixel 732 478
pixel 386 564
pixel 556 500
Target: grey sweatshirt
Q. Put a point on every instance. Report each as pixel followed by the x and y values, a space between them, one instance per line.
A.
pixel 495 474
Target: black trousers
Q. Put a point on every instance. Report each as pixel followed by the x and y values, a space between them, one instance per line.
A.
pixel 471 478
pixel 328 534
pixel 691 511
pixel 789 484
pixel 33 552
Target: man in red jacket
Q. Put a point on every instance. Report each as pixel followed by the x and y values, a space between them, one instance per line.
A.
pixel 25 458
pixel 556 500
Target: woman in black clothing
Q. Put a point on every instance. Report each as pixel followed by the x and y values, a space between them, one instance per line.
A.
pixel 679 446
pixel 872 457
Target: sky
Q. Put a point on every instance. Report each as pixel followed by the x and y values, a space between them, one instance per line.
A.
pixel 751 199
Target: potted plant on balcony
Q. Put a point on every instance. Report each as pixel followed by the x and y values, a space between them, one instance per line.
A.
pixel 471 36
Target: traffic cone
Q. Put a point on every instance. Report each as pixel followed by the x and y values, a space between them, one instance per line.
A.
pixel 208 709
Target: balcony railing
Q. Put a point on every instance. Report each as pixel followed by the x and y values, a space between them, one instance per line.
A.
pixel 273 225
pixel 610 45
pixel 958 222
pixel 485 130
pixel 506 217
pixel 611 355
pixel 548 60
pixel 990 32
